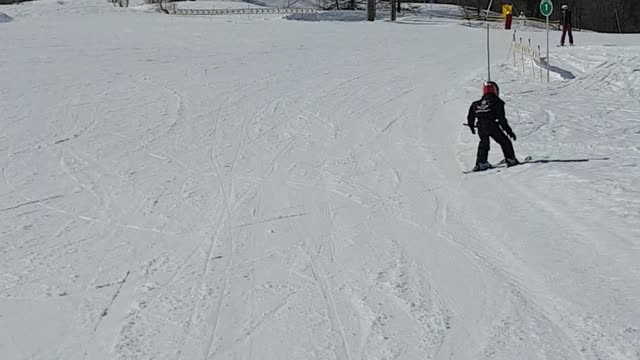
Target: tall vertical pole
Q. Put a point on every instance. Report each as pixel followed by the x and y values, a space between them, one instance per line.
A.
pixel 540 62
pixel 548 59
pixel 617 20
pixel 531 55
pixel 513 45
pixel 489 7
pixel 522 55
pixel 488 56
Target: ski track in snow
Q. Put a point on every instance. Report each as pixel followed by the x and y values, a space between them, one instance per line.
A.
pixel 290 192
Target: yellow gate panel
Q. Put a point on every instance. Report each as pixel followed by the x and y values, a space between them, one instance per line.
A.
pixel 507 9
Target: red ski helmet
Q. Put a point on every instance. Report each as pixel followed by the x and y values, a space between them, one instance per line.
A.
pixel 490 87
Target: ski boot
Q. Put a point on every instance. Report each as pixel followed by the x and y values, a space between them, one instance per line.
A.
pixel 511 162
pixel 482 166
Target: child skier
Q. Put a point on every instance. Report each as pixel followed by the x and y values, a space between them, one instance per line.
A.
pixel 492 123
pixel 566 25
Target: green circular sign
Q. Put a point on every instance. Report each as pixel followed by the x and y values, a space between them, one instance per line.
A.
pixel 546 7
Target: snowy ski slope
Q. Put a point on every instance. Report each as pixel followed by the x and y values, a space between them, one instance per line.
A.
pixel 250 187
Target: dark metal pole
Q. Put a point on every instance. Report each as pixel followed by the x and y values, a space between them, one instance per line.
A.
pixel 488 56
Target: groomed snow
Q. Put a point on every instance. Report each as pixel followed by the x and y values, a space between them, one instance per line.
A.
pixel 237 187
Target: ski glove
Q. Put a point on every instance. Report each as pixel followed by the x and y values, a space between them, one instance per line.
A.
pixel 473 130
pixel 512 135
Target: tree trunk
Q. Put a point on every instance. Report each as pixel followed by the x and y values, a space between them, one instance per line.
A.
pixel 371 10
pixel 393 10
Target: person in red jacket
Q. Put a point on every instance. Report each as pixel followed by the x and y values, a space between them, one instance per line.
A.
pixel 508 20
pixel 492 124
pixel 566 25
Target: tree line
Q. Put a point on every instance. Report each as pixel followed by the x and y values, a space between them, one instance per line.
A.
pixel 597 15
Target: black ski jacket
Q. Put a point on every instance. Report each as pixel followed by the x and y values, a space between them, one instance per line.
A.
pixel 566 19
pixel 489 110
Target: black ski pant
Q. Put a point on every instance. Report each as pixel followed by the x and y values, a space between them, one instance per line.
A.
pixel 565 30
pixel 493 131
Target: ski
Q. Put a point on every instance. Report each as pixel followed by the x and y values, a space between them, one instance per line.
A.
pixel 500 165
pixel 477 171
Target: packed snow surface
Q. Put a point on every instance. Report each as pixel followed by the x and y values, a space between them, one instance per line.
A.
pixel 237 187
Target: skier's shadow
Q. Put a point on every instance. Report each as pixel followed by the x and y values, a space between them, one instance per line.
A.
pixel 565 74
pixel 545 161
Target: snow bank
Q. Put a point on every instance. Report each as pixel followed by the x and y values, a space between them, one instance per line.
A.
pixel 411 14
pixel 284 3
pixel 4 18
pixel 243 4
pixel 215 5
pixel 49 8
pixel 341 15
pixel 437 10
